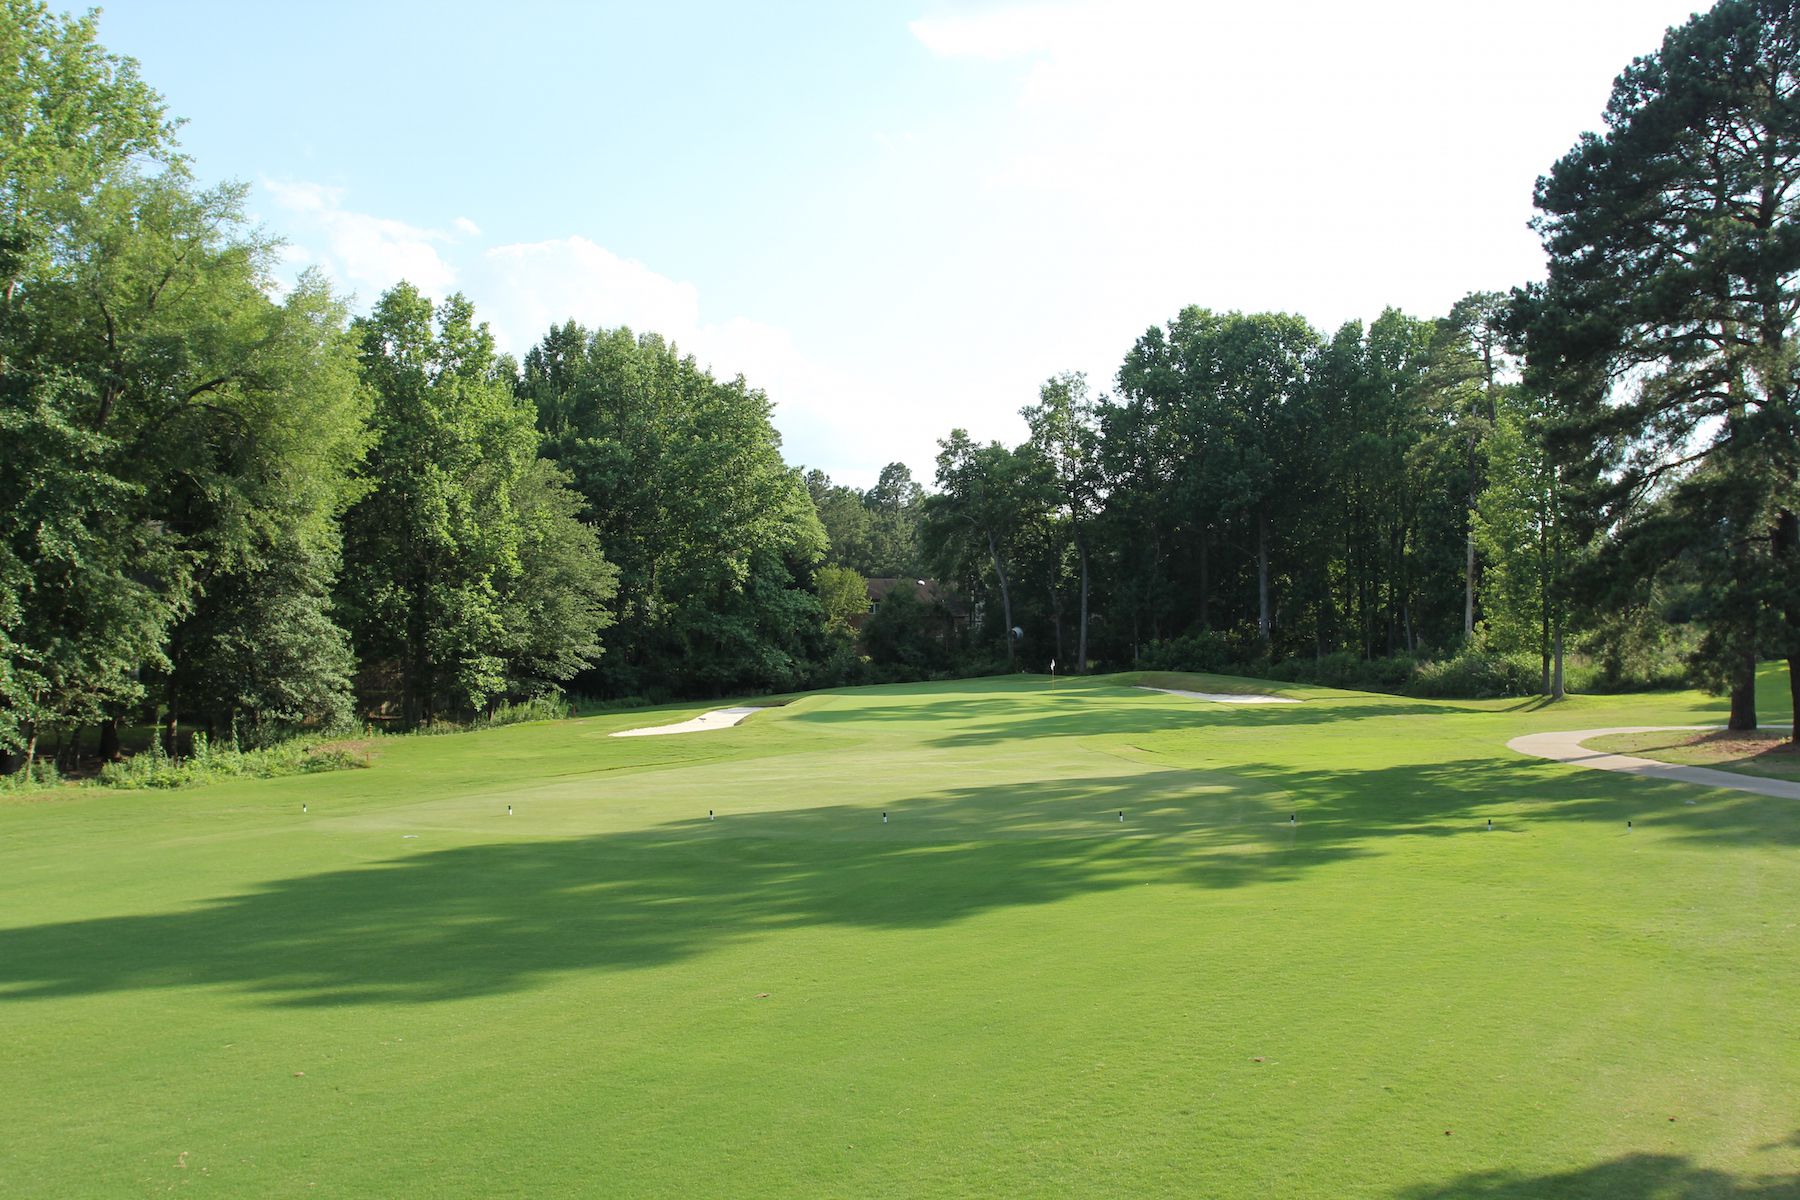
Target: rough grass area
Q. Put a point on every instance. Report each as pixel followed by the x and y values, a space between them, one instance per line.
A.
pixel 1769 753
pixel 1005 990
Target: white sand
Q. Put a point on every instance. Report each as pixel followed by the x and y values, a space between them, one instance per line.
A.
pixel 1223 697
pixel 718 718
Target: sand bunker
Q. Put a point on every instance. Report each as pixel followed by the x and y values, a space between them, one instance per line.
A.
pixel 718 718
pixel 1223 697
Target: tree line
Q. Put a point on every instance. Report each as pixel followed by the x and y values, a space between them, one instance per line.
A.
pixel 1605 460
pixel 228 504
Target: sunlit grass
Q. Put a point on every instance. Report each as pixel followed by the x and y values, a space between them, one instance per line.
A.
pixel 1300 966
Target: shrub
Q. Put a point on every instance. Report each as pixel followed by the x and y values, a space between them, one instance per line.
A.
pixel 40 774
pixel 1474 674
pixel 551 706
pixel 1205 650
pixel 156 768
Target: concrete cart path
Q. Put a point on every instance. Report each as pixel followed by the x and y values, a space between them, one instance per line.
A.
pixel 1566 747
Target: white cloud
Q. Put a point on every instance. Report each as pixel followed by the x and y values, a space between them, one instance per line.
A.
pixel 828 418
pixel 521 289
pixel 528 286
pixel 1318 157
pixel 363 252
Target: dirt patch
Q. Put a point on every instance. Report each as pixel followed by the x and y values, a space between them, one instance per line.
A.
pixel 1717 747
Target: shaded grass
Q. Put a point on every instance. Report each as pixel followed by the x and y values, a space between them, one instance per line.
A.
pixel 1002 990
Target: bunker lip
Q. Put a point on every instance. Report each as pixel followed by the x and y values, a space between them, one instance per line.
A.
pixel 1222 697
pixel 718 718
pixel 1566 747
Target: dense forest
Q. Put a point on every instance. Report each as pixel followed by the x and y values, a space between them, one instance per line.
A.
pixel 231 505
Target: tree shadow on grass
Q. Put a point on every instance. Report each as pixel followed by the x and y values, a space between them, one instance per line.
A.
pixel 1631 1177
pixel 1080 708
pixel 475 920
pixel 434 925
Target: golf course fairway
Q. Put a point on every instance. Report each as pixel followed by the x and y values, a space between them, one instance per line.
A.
pixel 1300 966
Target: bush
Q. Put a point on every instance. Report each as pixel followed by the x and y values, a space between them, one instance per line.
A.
pixel 1205 650
pixel 549 707
pixel 586 706
pixel 40 774
pixel 155 768
pixel 1344 669
pixel 1474 674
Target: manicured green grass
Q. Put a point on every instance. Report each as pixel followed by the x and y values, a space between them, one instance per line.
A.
pixel 1003 991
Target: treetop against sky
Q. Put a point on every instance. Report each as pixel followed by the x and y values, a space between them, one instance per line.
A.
pixel 893 217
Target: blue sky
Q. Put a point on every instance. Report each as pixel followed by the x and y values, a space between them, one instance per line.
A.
pixel 894 217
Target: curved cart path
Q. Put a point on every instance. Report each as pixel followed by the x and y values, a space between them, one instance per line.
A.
pixel 1566 747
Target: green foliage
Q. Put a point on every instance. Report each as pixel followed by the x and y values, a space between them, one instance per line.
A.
pixel 261 655
pixel 1474 674
pixel 714 536
pixel 843 596
pixel 466 567
pixel 873 532
pixel 1202 650
pixel 71 115
pixel 155 768
pixel 1665 330
pixel 989 498
pixel 548 707
pixel 906 634
pixel 39 775
pixel 85 588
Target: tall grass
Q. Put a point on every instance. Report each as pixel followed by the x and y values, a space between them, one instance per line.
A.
pixel 156 768
pixel 551 707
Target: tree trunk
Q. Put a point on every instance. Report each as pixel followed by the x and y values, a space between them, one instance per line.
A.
pixel 172 722
pixel 1556 677
pixel 1205 578
pixel 1793 663
pixel 1264 629
pixel 1005 599
pixel 1081 640
pixel 1743 697
pixel 1544 651
pixel 109 739
pixel 1787 545
pixel 1544 587
pixel 1469 587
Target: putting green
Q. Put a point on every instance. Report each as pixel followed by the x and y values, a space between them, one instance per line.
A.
pixel 1002 990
